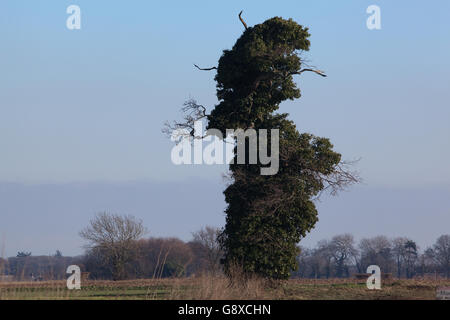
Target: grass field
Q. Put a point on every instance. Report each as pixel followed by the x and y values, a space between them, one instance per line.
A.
pixel 219 288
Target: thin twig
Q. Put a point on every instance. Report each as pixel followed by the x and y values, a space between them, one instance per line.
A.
pixel 205 69
pixel 319 72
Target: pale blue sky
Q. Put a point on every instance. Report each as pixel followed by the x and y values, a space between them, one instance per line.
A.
pixel 88 105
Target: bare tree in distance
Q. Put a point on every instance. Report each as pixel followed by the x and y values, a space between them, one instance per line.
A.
pixel 115 236
pixel 376 250
pixel 342 250
pixel 405 252
pixel 208 238
pixel 441 250
pixel 324 253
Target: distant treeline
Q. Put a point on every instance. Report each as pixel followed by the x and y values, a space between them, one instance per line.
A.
pixel 401 257
pixel 337 257
pixel 146 258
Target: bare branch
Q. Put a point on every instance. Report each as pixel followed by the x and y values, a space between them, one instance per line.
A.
pixel 192 112
pixel 342 177
pixel 319 72
pixel 242 20
pixel 205 69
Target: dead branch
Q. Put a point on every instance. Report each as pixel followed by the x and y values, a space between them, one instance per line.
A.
pixel 343 176
pixel 192 112
pixel 242 20
pixel 319 72
pixel 205 69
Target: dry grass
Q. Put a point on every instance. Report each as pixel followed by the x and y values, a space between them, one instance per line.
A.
pixel 220 288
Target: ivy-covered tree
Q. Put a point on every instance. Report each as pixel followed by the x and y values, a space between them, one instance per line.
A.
pixel 267 215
